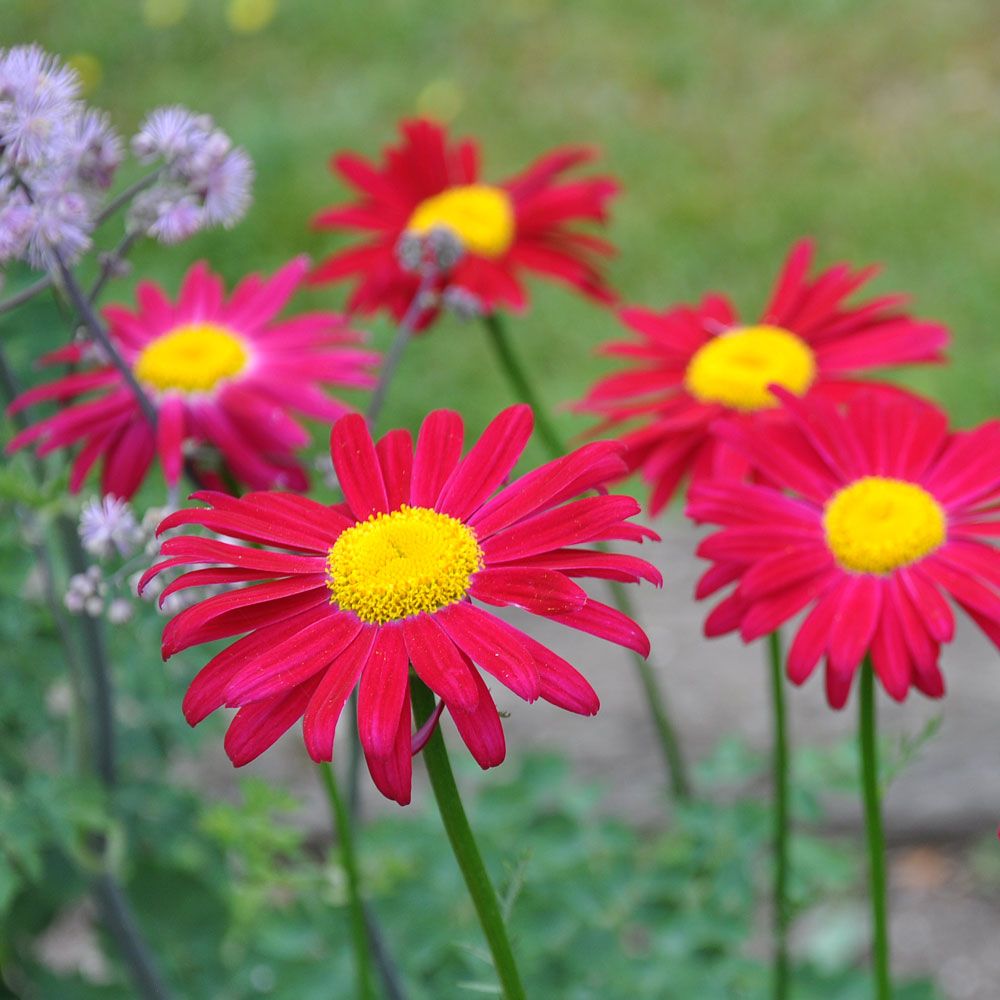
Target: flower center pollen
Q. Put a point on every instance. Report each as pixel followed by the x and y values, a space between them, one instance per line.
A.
pixel 735 368
pixel 876 524
pixel 480 216
pixel 195 357
pixel 396 565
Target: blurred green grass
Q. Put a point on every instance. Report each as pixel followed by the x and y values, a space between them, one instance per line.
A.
pixel 735 127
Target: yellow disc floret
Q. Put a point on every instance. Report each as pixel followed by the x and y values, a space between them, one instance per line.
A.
pixel 877 524
pixel 735 368
pixel 396 565
pixel 195 357
pixel 480 216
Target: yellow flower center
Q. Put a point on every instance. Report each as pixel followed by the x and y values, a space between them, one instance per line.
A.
pixel 481 216
pixel 195 357
pixel 736 368
pixel 396 565
pixel 876 524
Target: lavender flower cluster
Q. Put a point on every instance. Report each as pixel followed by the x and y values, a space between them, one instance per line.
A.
pixel 204 179
pixel 57 157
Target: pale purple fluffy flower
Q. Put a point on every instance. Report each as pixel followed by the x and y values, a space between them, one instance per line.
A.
pixel 38 102
pixel 108 525
pixel 28 70
pixel 206 180
pixel 168 212
pixel 96 149
pixel 15 222
pixel 61 221
pixel 171 133
pixel 227 189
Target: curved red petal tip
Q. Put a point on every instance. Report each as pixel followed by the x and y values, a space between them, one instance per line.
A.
pixel 426 731
pixel 147 576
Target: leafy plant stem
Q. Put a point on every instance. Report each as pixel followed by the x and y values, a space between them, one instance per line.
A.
pixel 112 900
pixel 345 842
pixel 666 733
pixel 780 775
pixel 874 833
pixel 463 844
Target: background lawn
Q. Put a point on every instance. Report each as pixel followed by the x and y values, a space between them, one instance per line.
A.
pixel 734 127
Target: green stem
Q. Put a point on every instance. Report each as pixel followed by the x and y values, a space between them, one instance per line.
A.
pixel 515 372
pixel 780 762
pixel 112 901
pixel 359 932
pixel 874 832
pixel 463 844
pixel 670 747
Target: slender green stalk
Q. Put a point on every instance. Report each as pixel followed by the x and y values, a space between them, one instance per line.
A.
pixel 456 825
pixel 670 746
pixel 519 380
pixel 26 294
pixel 404 331
pixel 113 903
pixel 780 764
pixel 874 833
pixel 345 840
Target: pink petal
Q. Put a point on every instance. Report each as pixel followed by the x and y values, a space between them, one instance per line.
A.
pixel 257 727
pixel 481 729
pixel 488 462
pixel 319 723
pixel 380 694
pixel 493 645
pixel 395 454
pixel 358 470
pixel 393 772
pixel 439 447
pixel 438 663
pixel 540 591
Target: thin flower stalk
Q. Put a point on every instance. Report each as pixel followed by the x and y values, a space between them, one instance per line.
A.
pixel 113 903
pixel 874 834
pixel 345 842
pixel 666 733
pixel 781 820
pixel 463 844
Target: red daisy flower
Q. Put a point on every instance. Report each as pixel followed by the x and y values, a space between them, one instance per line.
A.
pixel 695 364
pixel 885 513
pixel 217 372
pixel 388 578
pixel 426 182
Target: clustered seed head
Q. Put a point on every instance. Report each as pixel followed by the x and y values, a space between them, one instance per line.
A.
pixel 86 593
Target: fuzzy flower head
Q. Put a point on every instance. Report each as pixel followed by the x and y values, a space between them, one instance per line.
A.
pixel 57 157
pixel 692 365
pixel 205 181
pixel 429 184
pixel 404 572
pixel 107 525
pixel 873 515
pixel 222 373
pixel 39 100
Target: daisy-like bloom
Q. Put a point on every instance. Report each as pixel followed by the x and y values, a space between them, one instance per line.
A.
pixel 877 515
pixel 396 575
pixel 219 372
pixel 429 183
pixel 695 364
